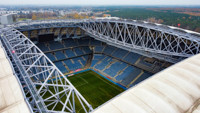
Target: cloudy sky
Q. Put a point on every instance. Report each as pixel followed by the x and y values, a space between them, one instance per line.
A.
pixel 100 2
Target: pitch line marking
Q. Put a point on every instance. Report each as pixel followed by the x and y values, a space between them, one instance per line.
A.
pixel 108 83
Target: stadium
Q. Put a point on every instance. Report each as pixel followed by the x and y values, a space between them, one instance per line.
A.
pixel 88 65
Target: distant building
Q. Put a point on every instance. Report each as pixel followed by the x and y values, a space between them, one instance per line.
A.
pixel 8 19
pixel 116 18
pixel 106 15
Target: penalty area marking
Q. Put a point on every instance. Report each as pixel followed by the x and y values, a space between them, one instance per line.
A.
pixel 85 82
pixel 106 81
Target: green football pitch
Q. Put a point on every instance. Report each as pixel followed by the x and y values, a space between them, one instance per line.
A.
pixel 94 88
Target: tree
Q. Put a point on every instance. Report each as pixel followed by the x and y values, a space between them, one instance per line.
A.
pixel 76 16
pixel 34 17
pixel 197 29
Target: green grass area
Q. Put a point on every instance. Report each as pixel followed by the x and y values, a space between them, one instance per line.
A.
pixel 94 88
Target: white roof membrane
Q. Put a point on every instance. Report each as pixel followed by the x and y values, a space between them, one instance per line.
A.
pixel 11 97
pixel 174 90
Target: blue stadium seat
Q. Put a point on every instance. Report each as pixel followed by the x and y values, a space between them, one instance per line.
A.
pixel 131 76
pixel 85 57
pixel 42 46
pixel 125 73
pixel 109 49
pixel 70 42
pixel 61 67
pixel 95 42
pixel 120 53
pixel 50 56
pixel 99 49
pixel 144 76
pixel 132 57
pixel 82 61
pixel 59 55
pixel 55 45
pixel 78 51
pixel 104 63
pixel 87 50
pixel 75 65
pixel 114 68
pixel 97 57
pixel 69 53
pixel 84 41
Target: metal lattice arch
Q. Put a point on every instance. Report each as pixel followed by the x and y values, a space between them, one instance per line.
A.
pixel 43 83
pixel 40 76
pixel 153 40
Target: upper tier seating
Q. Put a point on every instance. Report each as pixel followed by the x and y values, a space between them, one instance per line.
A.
pixel 132 57
pixel 70 43
pixel 69 53
pixel 84 41
pixel 94 42
pixel 120 53
pixel 78 51
pixel 99 49
pixel 109 50
pixel 86 49
pixel 55 45
pixel 42 46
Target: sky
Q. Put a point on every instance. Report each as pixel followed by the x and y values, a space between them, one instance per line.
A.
pixel 100 2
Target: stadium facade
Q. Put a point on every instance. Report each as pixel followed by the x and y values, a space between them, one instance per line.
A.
pixel 114 48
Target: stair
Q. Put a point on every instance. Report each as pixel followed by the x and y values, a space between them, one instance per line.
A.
pixel 83 58
pixel 81 63
pixel 121 71
pixel 72 61
pixel 74 52
pixel 66 66
pixel 110 63
pixel 83 51
pixel 66 55
pixel 100 61
pixel 103 48
pixel 89 60
pixel 125 55
pixel 137 61
pixel 114 51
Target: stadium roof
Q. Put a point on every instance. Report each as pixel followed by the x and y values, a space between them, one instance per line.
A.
pixel 11 96
pixel 174 90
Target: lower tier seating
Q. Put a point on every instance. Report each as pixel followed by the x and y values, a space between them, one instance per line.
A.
pixel 122 72
pixel 114 68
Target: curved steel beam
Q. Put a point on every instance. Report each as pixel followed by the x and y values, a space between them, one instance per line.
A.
pixel 165 41
pixel 47 85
